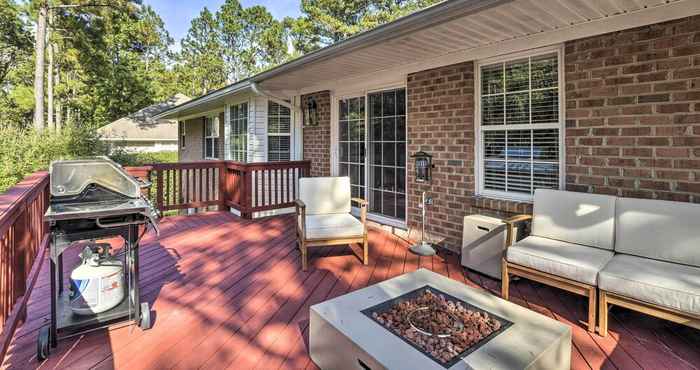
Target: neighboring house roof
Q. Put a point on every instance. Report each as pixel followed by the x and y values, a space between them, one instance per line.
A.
pixel 447 33
pixel 143 126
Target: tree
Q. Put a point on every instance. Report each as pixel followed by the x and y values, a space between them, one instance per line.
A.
pixel 201 61
pixel 15 40
pixel 253 39
pixel 328 21
pixel 39 46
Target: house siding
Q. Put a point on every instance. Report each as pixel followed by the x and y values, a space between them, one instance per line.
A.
pixel 632 125
pixel 317 139
pixel 194 140
pixel 193 150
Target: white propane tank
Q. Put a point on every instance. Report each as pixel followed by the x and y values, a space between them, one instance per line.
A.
pixel 97 285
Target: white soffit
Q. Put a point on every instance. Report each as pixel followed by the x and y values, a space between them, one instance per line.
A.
pixel 512 26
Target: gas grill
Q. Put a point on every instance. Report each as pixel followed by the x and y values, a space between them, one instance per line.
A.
pixel 94 199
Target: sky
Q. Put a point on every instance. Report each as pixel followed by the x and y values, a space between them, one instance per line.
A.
pixel 177 14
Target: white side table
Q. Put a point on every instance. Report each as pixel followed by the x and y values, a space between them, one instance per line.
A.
pixel 483 242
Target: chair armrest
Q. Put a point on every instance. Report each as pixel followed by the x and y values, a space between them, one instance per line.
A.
pixel 363 210
pixel 300 208
pixel 299 205
pixel 360 201
pixel 511 224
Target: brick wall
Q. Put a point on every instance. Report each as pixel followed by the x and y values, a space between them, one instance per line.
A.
pixel 633 112
pixel 317 139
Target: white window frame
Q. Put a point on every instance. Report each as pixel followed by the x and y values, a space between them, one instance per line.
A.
pixel 230 132
pixel 215 121
pixel 282 134
pixel 478 147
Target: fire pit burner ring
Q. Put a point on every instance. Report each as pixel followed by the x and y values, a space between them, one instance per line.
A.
pixel 422 312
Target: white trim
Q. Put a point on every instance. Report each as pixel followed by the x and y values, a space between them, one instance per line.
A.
pixel 228 154
pixel 203 114
pixel 561 126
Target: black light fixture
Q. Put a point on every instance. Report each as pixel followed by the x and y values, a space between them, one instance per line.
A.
pixel 424 164
pixel 311 111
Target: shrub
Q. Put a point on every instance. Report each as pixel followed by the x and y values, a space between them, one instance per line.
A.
pixel 23 151
pixel 139 159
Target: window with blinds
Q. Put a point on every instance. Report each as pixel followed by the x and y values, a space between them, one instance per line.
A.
pixel 238 120
pixel 279 135
pixel 519 126
pixel 211 138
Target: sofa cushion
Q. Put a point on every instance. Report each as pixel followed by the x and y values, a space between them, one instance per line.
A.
pixel 325 194
pixel 580 218
pixel 663 230
pixel 333 226
pixel 663 283
pixel 572 261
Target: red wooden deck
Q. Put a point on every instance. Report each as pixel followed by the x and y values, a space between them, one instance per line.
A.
pixel 229 293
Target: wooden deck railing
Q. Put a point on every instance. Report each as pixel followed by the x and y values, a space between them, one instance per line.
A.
pixel 246 187
pixel 23 237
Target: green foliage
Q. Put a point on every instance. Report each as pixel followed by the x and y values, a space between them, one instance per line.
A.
pixel 23 151
pixel 329 21
pixel 139 159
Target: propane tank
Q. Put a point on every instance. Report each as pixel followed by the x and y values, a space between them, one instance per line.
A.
pixel 97 284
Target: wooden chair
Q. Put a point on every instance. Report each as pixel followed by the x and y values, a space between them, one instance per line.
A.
pixel 572 239
pixel 324 216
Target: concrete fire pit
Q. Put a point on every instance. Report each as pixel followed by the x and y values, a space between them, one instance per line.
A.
pixel 342 335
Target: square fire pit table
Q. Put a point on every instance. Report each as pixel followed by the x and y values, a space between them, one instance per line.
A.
pixel 345 333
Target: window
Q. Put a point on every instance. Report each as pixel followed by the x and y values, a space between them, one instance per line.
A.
pixel 351 143
pixel 183 135
pixel 238 119
pixel 211 137
pixel 278 132
pixel 519 126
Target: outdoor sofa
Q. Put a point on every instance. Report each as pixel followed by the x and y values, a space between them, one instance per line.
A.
pixel 636 253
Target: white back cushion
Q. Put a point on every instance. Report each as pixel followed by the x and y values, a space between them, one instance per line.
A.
pixel 581 218
pixel 658 229
pixel 325 195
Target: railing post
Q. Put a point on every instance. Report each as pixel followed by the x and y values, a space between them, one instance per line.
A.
pixel 246 192
pixel 223 186
pixel 159 190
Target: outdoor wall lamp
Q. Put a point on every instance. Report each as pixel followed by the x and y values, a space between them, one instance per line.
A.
pixel 424 164
pixel 311 111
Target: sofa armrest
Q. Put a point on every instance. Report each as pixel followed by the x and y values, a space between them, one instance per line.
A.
pixel 363 210
pixel 511 223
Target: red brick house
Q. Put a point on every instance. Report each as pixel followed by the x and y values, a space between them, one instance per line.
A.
pixel 507 96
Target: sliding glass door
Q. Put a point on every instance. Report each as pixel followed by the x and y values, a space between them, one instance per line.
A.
pixel 385 140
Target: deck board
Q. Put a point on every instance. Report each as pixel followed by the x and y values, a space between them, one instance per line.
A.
pixel 229 293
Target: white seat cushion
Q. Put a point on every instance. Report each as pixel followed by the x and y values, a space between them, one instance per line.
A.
pixel 662 283
pixel 325 195
pixel 658 229
pixel 581 218
pixel 572 261
pixel 333 226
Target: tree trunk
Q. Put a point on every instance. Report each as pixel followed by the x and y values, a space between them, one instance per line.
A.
pixel 49 92
pixel 39 46
pixel 59 106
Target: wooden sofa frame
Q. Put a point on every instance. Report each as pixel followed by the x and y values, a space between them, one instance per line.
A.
pixel 509 268
pixel 304 242
pixel 608 298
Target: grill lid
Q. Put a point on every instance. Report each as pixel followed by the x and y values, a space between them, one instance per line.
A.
pixel 70 178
